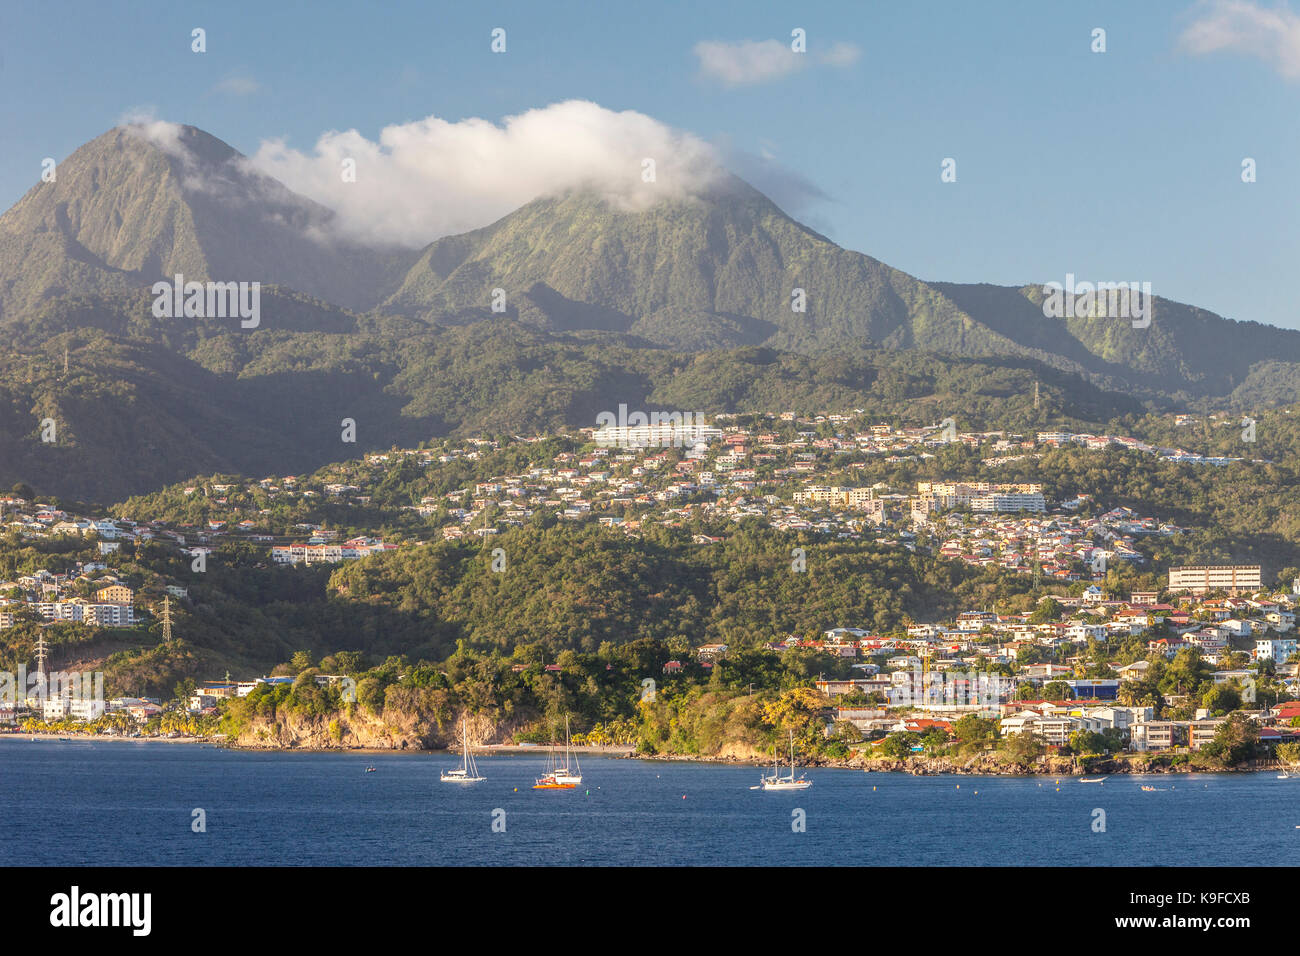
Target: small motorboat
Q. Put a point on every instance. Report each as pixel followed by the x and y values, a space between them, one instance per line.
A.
pixel 370 770
pixel 1092 779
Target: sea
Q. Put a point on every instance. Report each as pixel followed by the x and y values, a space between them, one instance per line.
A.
pixel 119 803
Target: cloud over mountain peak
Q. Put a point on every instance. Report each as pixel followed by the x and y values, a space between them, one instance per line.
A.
pixel 434 177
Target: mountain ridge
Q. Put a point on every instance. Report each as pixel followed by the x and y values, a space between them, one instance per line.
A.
pixel 718 269
pixel 614 303
pixel 127 209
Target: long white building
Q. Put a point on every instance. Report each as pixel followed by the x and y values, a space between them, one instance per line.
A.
pixel 1199 578
pixel 1010 501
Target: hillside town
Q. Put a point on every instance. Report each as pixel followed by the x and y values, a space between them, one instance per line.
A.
pixel 1030 674
pixel 1034 673
pixel 666 472
pixel 794 477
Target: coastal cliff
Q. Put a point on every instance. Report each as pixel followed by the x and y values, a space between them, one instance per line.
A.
pixel 357 728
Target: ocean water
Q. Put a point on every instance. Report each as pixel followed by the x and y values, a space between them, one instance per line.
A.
pixel 131 804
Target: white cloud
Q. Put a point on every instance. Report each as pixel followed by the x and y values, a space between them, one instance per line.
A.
pixel 1240 26
pixel 748 62
pixel 216 170
pixel 432 177
pixel 841 54
pixel 790 190
pixel 144 121
pixel 238 84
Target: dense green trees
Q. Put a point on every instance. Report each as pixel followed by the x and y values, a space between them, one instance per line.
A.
pixel 578 586
pixel 1236 741
pixel 1023 747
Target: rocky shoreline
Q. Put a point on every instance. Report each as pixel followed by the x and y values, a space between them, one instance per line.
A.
pixel 985 764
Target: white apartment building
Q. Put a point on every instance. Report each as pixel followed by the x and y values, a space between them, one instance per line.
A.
pixel 78 708
pixel 1199 578
pixel 1009 502
pixel 1163 734
pixel 661 435
pixel 84 612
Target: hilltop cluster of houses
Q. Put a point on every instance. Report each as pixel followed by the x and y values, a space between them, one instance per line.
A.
pixel 1100 442
pixel 984 636
pixel 56 597
pixel 1052 546
pixel 721 470
pixel 1054 722
pixel 945 670
pixel 781 473
pixel 737 478
pixel 37 521
pixel 42 521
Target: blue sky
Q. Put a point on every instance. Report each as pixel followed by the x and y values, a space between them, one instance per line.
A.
pixel 1123 165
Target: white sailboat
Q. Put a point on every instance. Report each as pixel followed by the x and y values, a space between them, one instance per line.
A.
pixel 563 776
pixel 790 782
pixel 570 772
pixel 467 772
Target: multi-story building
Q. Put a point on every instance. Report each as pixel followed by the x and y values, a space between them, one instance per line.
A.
pixel 1153 734
pixel 679 431
pixel 82 611
pixel 1199 578
pixel 78 708
pixel 1163 734
pixel 957 494
pixel 1279 649
pixel 1009 502
pixel 109 615
pixel 837 496
pixel 115 594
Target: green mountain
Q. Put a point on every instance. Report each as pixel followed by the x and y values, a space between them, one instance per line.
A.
pixel 139 402
pixel 718 270
pixel 709 272
pixel 684 305
pixel 131 207
pixel 721 271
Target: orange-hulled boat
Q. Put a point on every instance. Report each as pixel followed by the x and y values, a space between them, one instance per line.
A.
pixel 561 777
